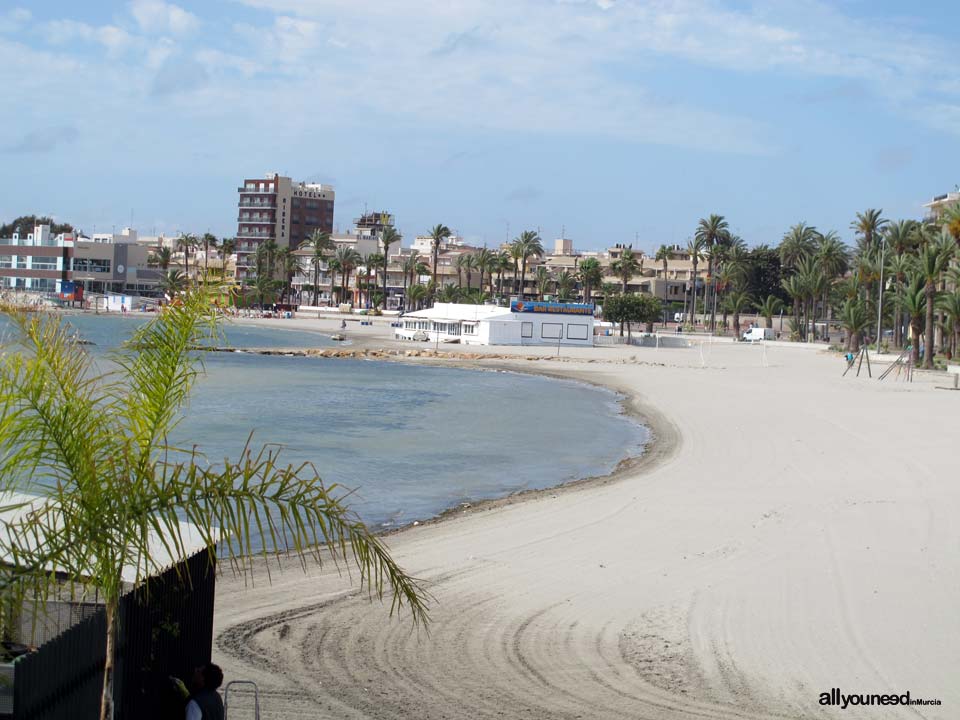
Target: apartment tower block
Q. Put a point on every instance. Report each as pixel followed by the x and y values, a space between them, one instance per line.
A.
pixel 277 208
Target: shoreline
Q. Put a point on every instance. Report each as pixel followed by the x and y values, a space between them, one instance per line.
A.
pixel 663 442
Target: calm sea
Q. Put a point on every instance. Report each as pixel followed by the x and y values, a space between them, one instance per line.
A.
pixel 410 441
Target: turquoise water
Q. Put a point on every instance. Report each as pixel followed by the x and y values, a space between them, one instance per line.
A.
pixel 410 440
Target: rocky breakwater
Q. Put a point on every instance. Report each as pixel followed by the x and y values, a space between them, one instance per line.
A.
pixel 380 353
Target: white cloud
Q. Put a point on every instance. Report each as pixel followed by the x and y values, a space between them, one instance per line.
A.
pixel 63 32
pixel 14 19
pixel 515 50
pixel 288 40
pixel 155 16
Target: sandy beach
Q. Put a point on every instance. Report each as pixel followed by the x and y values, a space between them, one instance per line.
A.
pixel 789 531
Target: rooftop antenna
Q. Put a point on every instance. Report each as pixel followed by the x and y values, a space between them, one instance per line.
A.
pixel 563 232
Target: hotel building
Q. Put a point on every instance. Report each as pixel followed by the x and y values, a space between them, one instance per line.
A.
pixel 277 208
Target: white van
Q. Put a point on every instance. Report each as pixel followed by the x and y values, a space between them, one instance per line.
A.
pixel 759 333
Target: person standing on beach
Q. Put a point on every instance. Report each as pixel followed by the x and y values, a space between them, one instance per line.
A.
pixel 205 702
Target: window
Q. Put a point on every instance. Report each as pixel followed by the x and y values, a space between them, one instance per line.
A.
pixel 44 263
pixel 576 331
pixel 526 330
pixel 91 265
pixel 551 331
pixel 469 329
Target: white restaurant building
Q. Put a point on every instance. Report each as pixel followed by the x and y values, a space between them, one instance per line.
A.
pixel 523 323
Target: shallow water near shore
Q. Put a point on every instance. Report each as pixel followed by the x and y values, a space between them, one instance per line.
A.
pixel 410 441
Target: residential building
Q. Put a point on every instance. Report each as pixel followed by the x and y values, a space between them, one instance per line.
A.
pixel 41 262
pixel 277 208
pixel 940 203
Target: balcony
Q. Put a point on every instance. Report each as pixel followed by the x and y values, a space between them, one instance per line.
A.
pixel 252 190
pixel 259 235
pixel 258 204
pixel 257 220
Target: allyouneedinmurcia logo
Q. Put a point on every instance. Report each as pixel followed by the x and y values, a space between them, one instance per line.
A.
pixel 835 698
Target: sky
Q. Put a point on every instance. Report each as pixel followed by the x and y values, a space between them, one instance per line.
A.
pixel 610 121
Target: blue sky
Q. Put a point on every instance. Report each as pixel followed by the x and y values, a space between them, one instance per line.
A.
pixel 615 120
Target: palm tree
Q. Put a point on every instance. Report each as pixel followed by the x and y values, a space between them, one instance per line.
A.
pixel 950 305
pixel 516 253
pixel 663 256
pixel 899 267
pixel 449 294
pixel 695 248
pixel 162 258
pixel 833 258
pixel 815 285
pixel 107 479
pixel 566 282
pixel 913 302
pixel 438 234
pixel 950 221
pixel 868 226
pixel 504 261
pixel 591 275
pixel 319 244
pixel 855 320
pixel 289 265
pixel 186 243
pixel 713 232
pixel 900 236
pixel 269 249
pixel 931 262
pixel 469 266
pixel 209 240
pixel 529 245
pixel 770 307
pixel 347 259
pixel 408 267
pixel 797 291
pixel 476 297
pixel 227 248
pixel 542 280
pixel 484 263
pixel 625 267
pixel 462 264
pixel 737 302
pixel 416 295
pixel 798 242
pixel 370 265
pixel 333 267
pixel 173 282
pixel 388 237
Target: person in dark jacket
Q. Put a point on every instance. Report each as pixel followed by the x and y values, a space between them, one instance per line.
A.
pixel 205 702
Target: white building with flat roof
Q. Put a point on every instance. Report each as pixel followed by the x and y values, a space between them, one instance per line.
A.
pixel 523 323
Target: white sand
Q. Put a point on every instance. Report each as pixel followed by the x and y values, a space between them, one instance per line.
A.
pixel 792 532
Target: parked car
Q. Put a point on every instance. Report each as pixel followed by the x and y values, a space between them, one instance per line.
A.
pixel 759 333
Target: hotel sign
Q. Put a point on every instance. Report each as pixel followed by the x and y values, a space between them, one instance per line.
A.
pixel 526 306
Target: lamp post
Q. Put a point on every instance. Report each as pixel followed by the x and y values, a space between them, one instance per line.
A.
pixel 883 248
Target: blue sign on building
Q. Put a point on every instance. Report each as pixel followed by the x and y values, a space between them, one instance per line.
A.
pixel 529 306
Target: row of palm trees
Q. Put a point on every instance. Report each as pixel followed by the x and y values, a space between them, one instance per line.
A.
pixel 915 261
